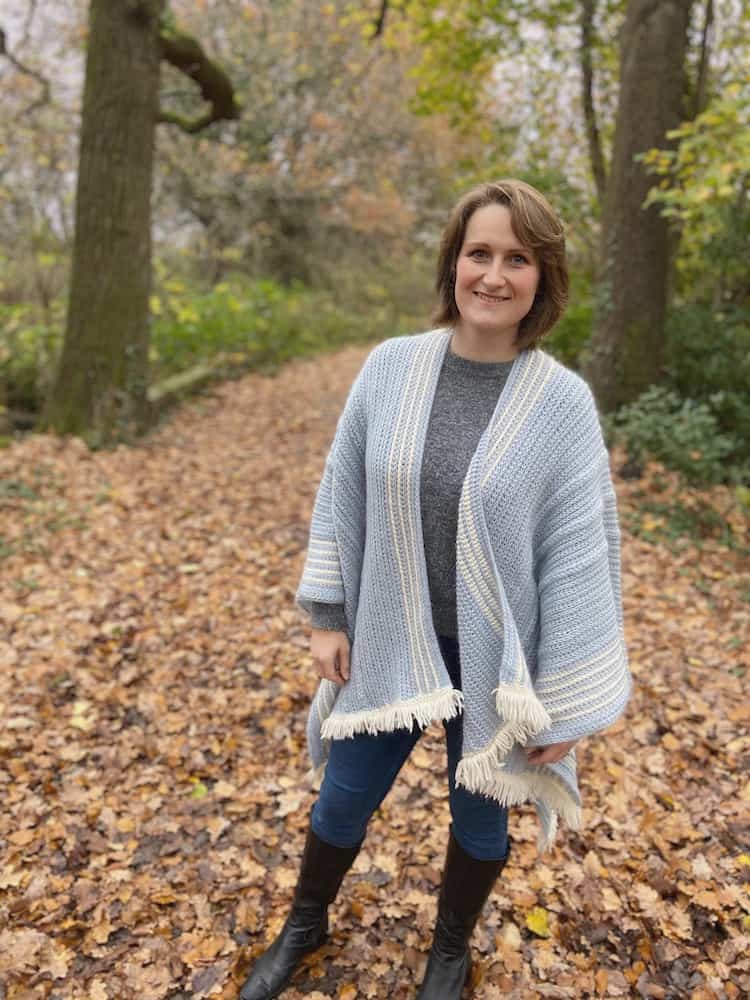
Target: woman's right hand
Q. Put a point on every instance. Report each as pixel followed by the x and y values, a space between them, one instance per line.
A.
pixel 330 653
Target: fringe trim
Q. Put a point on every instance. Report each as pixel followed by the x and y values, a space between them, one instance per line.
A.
pixel 479 773
pixel 546 837
pixel 519 706
pixel 482 773
pixel 437 706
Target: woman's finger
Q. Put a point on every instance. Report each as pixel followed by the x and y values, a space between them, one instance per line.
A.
pixel 541 755
pixel 327 669
pixel 344 661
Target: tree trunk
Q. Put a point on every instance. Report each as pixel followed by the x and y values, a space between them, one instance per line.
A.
pixel 100 388
pixel 624 355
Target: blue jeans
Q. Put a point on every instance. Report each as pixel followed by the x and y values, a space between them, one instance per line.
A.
pixel 361 770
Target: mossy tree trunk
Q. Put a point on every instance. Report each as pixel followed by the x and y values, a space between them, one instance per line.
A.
pixel 100 387
pixel 625 353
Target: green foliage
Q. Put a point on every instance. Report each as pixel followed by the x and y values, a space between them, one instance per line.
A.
pixel 569 337
pixel 698 422
pixel 28 349
pixel 708 360
pixel 708 349
pixel 681 433
pixel 253 324
pixel 705 190
pixel 240 323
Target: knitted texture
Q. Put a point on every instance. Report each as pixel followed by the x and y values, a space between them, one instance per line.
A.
pixel 539 607
pixel 465 399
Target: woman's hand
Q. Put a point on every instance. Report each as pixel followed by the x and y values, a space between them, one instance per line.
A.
pixel 330 653
pixel 550 754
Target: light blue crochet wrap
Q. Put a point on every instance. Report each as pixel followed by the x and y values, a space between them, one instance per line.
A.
pixel 539 605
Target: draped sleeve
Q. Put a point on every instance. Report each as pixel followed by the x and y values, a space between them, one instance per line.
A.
pixel 583 678
pixel 337 528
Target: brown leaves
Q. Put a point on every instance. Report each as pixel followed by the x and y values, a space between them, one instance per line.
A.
pixel 154 686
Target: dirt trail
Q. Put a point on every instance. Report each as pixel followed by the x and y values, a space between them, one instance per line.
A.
pixel 154 684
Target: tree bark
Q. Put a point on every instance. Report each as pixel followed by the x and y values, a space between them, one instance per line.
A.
pixel 101 382
pixel 596 156
pixel 625 353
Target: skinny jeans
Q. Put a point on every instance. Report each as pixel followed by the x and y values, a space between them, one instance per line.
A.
pixel 362 768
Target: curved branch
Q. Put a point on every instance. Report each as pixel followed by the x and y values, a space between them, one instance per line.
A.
pixel 186 54
pixel 589 111
pixel 44 97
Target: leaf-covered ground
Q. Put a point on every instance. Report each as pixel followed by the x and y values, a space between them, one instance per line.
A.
pixel 154 683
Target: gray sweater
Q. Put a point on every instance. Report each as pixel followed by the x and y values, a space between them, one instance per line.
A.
pixel 465 399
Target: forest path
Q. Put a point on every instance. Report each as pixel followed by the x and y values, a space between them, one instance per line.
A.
pixel 154 685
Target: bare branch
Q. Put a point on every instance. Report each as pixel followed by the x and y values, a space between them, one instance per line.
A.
pixel 44 97
pixel 596 155
pixel 186 54
pixel 701 83
pixel 380 22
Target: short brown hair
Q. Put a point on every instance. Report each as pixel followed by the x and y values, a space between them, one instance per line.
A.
pixel 537 227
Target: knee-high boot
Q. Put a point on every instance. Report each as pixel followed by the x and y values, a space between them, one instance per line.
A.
pixel 306 928
pixel 465 887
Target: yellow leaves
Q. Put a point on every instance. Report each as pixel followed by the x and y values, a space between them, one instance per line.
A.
pixel 83 716
pixel 199 790
pixel 651 523
pixel 537 921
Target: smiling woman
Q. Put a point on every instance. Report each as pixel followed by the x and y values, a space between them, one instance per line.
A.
pixel 463 567
pixel 496 281
pixel 502 274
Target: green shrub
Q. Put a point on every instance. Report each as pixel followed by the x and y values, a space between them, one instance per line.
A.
pixel 255 323
pixel 28 351
pixel 682 433
pixel 571 334
pixel 707 350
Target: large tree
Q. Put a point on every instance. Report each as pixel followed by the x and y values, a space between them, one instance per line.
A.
pixel 634 258
pixel 101 383
pixel 624 355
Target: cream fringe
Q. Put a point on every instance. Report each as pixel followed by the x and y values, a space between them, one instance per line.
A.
pixel 520 706
pixel 546 838
pixel 481 772
pixel 436 706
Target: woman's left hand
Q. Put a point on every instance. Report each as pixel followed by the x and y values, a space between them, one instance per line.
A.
pixel 550 754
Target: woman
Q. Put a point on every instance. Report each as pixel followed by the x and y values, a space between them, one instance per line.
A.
pixel 466 522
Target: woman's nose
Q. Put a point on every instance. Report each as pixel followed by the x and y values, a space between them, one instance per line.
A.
pixel 496 273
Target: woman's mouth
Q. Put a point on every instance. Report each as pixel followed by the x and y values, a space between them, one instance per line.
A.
pixel 492 299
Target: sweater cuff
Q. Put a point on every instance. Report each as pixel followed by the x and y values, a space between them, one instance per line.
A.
pixel 328 616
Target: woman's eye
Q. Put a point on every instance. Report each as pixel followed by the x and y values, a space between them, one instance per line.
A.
pixel 518 258
pixel 478 253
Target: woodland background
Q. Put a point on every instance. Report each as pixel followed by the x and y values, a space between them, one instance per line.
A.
pixel 227 205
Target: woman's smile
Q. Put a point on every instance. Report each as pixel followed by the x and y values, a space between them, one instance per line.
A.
pixel 495 284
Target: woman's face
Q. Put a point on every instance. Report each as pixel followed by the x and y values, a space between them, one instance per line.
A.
pixel 496 277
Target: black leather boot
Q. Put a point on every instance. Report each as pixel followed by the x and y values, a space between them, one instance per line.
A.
pixel 465 887
pixel 306 928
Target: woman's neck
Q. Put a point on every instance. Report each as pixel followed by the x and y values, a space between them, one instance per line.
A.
pixel 475 346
